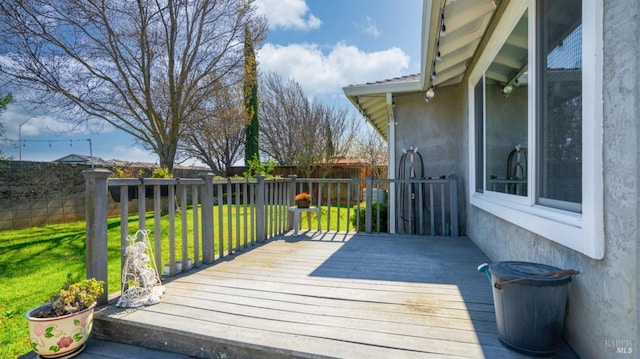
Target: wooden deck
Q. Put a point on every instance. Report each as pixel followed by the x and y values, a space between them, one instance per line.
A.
pixel 329 295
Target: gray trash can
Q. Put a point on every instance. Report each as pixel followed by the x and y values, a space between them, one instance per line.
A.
pixel 530 300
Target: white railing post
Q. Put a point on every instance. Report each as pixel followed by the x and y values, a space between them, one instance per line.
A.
pixel 291 199
pixel 124 223
pixel 207 218
pixel 368 205
pixel 261 234
pixel 96 211
pixel 142 204
pixel 453 203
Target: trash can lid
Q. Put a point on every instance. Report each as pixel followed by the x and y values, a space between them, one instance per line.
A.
pixel 528 273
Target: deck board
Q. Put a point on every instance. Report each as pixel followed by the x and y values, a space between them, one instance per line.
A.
pixel 360 296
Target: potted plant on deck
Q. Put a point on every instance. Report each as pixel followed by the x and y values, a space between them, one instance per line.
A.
pixel 62 326
pixel 303 200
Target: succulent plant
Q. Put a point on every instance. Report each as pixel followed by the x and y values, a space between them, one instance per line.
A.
pixel 72 298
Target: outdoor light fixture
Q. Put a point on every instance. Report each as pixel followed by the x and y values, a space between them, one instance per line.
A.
pixel 506 91
pixel 438 56
pixel 443 30
pixel 433 75
pixel 428 96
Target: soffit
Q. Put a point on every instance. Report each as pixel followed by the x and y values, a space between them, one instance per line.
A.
pixel 465 23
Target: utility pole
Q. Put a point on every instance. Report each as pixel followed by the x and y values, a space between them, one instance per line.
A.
pixel 20 134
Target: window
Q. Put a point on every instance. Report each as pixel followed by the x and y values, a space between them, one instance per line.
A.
pixel 536 124
pixel 503 94
pixel 559 102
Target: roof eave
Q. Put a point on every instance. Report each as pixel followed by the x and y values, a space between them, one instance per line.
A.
pixel 382 88
pixel 427 42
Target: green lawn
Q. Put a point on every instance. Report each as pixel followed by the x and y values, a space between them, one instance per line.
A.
pixel 35 262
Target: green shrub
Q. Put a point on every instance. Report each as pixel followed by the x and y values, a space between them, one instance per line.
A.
pixel 384 218
pixel 257 168
pixel 160 172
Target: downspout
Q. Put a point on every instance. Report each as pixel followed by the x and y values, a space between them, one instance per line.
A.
pixel 391 155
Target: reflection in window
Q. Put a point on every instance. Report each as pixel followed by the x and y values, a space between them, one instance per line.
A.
pixel 559 132
pixel 506 115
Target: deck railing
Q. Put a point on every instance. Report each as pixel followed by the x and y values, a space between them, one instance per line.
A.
pixel 195 221
pixel 425 206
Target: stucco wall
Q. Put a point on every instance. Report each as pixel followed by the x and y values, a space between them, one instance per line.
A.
pixel 435 129
pixel 603 306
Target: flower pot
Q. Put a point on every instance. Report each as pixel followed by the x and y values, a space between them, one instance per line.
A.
pixel 167 266
pixel 304 203
pixel 59 336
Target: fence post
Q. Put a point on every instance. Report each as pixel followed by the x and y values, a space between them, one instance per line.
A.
pixel 291 199
pixel 261 234
pixel 368 213
pixel 207 218
pixel 453 203
pixel 96 212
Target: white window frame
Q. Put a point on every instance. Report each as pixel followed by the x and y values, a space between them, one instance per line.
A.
pixel 583 232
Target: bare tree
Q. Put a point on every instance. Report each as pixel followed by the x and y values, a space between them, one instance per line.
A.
pixel 143 66
pixel 216 136
pixel 296 131
pixel 370 147
pixel 283 111
pixel 339 128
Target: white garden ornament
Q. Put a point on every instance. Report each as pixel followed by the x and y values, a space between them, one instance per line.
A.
pixel 141 283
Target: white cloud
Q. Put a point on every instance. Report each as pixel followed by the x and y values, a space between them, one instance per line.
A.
pixel 16 118
pixel 53 124
pixel 369 28
pixel 288 14
pixel 130 154
pixel 343 65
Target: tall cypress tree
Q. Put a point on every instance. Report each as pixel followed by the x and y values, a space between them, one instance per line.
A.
pixel 4 101
pixel 251 150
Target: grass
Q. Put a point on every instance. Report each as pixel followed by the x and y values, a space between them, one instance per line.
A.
pixel 35 262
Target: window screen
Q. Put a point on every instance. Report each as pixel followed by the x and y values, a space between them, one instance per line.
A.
pixel 559 122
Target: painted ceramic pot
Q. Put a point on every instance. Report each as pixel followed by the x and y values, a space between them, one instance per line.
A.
pixel 59 336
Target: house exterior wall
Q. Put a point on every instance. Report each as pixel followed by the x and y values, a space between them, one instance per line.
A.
pixel 602 315
pixel 435 128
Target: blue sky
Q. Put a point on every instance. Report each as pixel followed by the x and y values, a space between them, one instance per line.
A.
pixel 322 44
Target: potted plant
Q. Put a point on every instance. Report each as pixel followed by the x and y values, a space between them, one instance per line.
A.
pixel 62 326
pixel 303 200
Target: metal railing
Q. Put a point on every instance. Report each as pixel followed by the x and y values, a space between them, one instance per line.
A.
pixel 195 221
